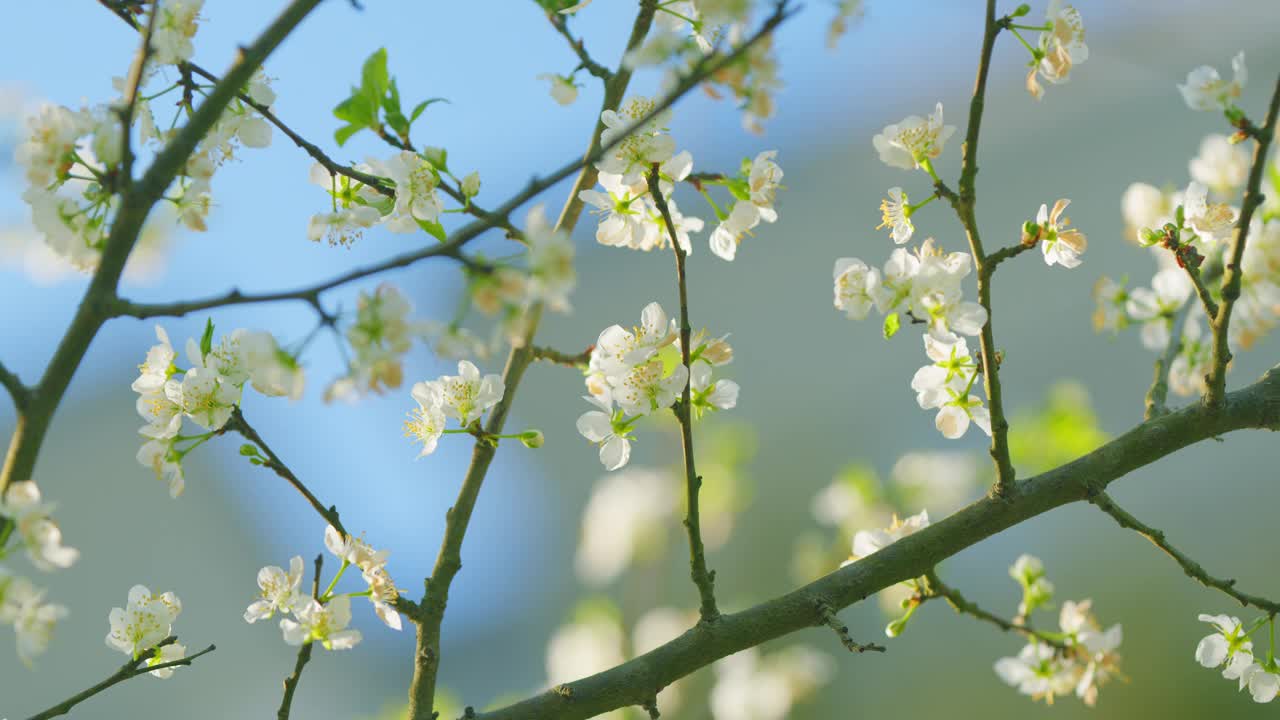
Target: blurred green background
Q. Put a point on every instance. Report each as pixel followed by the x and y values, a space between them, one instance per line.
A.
pixel 819 392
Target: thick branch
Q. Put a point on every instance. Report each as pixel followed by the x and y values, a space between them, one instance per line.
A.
pixel 1189 566
pixel 962 605
pixel 1257 406
pixel 128 671
pixel 703 578
pixel 1233 272
pixel 304 655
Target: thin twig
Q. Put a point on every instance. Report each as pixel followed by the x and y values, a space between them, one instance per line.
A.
pixel 552 355
pixel 20 393
pixel 304 654
pixel 1005 253
pixel 561 24
pixel 962 605
pixel 1198 281
pixel 703 578
pixel 238 424
pixel 128 671
pixel 1233 271
pixel 831 620
pixel 1189 566
pixel 1159 392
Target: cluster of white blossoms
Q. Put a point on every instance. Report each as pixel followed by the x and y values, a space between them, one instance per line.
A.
pixel 1061 47
pixel 1188 231
pixel 139 628
pixel 379 338
pixel 465 397
pixel 924 284
pixel 206 393
pixel 1080 658
pixel 324 617
pixel 686 32
pixel 634 372
pixel 629 215
pixel 33 530
pixel 73 160
pixel 1230 648
pixel 415 205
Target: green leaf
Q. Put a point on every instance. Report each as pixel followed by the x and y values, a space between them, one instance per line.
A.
pixel 417 110
pixel 891 324
pixel 373 76
pixel 206 340
pixel 343 134
pixel 357 110
pixel 391 108
pixel 434 229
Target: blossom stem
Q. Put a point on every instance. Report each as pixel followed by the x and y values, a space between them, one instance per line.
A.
pixel 327 595
pixel 304 654
pixel 1232 277
pixel 128 671
pixel 1041 28
pixel 1192 568
pixel 1159 392
pixel 962 605
pixel 720 214
pixel 1035 52
pixel 911 209
pixel 703 578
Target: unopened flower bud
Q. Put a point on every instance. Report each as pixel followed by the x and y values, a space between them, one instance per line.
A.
pixel 532 439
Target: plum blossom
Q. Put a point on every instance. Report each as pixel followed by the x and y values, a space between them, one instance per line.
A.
pixel 1205 89
pixel 868 542
pixel 1221 165
pixel 323 623
pixel 1060 49
pixel 896 212
pixel 38 533
pixel 279 591
pixel 856 287
pixel 143 622
pixel 607 429
pixel 1061 244
pixel 913 142
pixel 1154 307
pixel 562 88
pixel 22 605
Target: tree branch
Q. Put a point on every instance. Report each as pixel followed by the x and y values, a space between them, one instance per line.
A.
pixel 128 671
pixel 831 620
pixel 703 578
pixel 964 203
pixel 962 605
pixel 304 655
pixel 135 204
pixel 1159 392
pixel 1189 566
pixel 1233 271
pixel 1257 406
pixel 449 560
pixel 132 83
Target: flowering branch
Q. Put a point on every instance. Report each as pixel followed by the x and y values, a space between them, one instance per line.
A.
pixel 962 605
pixel 132 83
pixel 449 559
pixel 1189 566
pixel 963 202
pixel 238 424
pixel 1233 272
pixel 135 204
pixel 304 654
pixel 703 578
pixel 1256 406
pixel 128 671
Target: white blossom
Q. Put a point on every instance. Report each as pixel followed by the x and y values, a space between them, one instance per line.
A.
pixel 163 459
pixel 868 542
pixel 896 216
pixel 22 605
pixel 856 287
pixel 913 142
pixel 604 429
pixel 427 422
pixel 279 591
pixel 1155 307
pixel 1205 89
pixel 38 533
pixel 143 622
pixel 1061 244
pixel 562 88
pixel 326 624
pixel 623 518
pixel 1221 165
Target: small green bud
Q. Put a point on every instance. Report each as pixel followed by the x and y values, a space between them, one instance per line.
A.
pixel 249 450
pixel 532 439
pixel 1151 237
pixel 895 628
pixel 1021 10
